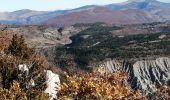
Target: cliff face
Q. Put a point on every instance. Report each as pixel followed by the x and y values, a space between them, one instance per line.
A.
pixel 144 75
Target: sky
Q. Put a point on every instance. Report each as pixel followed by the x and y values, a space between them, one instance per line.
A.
pixel 46 5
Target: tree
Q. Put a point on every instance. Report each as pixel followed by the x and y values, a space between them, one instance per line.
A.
pixel 15 80
pixel 19 48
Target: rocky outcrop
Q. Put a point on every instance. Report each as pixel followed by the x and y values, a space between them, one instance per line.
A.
pixel 53 84
pixel 145 74
pixel 149 73
pixel 112 65
pixel 52 81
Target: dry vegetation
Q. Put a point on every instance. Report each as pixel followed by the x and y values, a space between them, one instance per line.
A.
pixel 15 84
pixel 104 86
pixel 5 38
pixel 97 86
pixel 163 93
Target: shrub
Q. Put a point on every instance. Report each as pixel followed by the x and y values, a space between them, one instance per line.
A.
pixel 162 93
pixel 14 93
pixel 19 48
pixel 16 84
pixel 96 86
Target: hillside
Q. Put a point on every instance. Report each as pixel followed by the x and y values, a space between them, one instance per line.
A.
pixel 140 52
pixel 145 57
pixel 27 17
pixel 26 76
pixel 129 12
pixel 118 51
pixel 101 14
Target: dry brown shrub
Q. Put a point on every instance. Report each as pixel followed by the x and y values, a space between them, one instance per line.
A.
pixel 14 93
pixel 162 93
pixel 19 53
pixel 19 48
pixel 5 38
pixel 96 86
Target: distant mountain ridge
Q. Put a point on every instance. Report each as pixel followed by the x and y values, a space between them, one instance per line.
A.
pixel 129 12
pixel 27 16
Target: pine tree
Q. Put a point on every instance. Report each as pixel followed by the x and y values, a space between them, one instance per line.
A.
pixel 19 48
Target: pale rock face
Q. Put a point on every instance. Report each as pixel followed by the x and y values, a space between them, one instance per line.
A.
pixel 112 65
pixel 32 82
pixel 144 74
pixel 152 72
pixel 52 81
pixel 23 67
pixel 53 84
pixel 162 36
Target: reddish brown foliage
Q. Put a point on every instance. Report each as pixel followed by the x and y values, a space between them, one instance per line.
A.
pixel 96 86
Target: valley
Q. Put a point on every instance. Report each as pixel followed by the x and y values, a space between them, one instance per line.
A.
pixel 118 51
pixel 140 49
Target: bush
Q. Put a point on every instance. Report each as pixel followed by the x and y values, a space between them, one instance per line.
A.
pixel 162 93
pixel 16 84
pixel 19 48
pixel 14 93
pixel 96 86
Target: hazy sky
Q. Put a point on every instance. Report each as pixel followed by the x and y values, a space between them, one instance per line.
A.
pixel 44 5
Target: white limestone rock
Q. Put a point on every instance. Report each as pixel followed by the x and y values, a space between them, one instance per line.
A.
pixel 23 68
pixel 53 84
